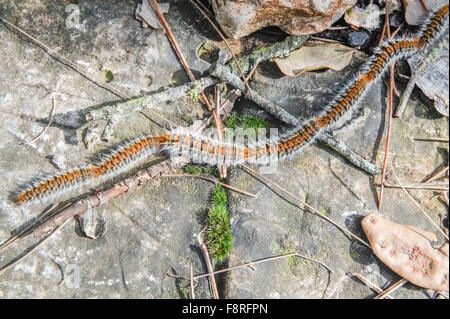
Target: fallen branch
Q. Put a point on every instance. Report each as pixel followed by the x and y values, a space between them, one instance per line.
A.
pixel 225 75
pixel 50 225
pixel 151 101
pixel 423 186
pixel 347 153
pixel 129 184
pixel 29 250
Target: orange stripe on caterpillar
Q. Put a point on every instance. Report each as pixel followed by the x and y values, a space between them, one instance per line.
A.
pixel 117 160
pixel 41 189
pixel 137 148
pixel 437 23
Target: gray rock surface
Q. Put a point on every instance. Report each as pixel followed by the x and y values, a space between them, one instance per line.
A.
pixel 153 230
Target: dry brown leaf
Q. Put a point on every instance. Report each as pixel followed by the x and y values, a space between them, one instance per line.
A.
pixel 407 251
pixel 415 13
pixel 368 18
pixel 315 56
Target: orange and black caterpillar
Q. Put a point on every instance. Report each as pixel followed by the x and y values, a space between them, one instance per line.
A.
pixel 212 151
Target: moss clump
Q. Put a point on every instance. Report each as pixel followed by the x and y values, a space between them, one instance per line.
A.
pixel 193 94
pixel 200 169
pixel 245 122
pixel 208 52
pixel 108 75
pixel 218 235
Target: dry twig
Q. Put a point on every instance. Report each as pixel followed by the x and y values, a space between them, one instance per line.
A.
pixel 52 114
pixel 391 91
pixel 257 261
pixel 370 284
pixel 209 266
pixel 391 289
pixel 192 282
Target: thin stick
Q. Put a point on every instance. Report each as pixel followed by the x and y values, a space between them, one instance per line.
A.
pixel 258 261
pixel 370 284
pixel 391 92
pixel 418 186
pixel 171 37
pixel 347 153
pixel 31 249
pixel 222 168
pixel 312 209
pixel 174 43
pixel 52 114
pixel 433 139
pixel 192 282
pixel 205 8
pixel 325 40
pixel 424 5
pixel 209 266
pixel 212 180
pixel 388 135
pixel 397 30
pixel 391 289
pixel 249 75
pixel 337 28
pixel 437 175
pixel 382 35
pixel 25 231
pixel 417 204
pixel 250 91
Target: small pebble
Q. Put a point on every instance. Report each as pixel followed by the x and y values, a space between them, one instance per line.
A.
pixel 395 20
pixel 359 38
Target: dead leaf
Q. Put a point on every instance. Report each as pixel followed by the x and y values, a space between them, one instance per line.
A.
pixel 315 56
pixel 235 45
pixel 415 13
pixel 407 251
pixel 367 18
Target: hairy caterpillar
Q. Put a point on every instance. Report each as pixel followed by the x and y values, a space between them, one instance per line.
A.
pixel 213 151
